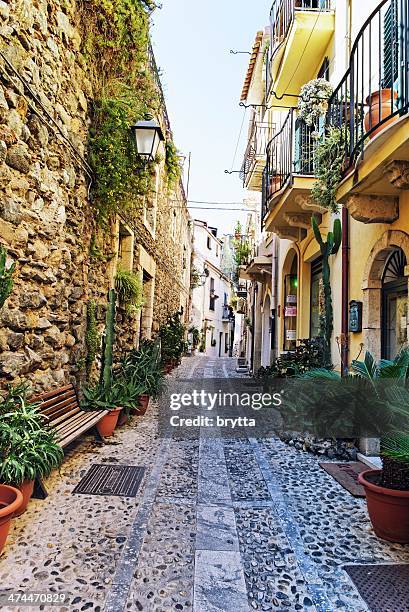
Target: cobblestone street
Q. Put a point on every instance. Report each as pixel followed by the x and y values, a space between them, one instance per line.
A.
pixel 217 525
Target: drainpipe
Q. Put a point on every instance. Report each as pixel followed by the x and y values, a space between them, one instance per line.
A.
pixel 345 290
pixel 345 231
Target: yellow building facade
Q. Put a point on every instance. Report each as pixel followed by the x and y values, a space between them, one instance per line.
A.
pixel 351 47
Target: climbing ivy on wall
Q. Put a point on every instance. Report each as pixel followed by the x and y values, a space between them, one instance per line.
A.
pixel 172 164
pixel 116 37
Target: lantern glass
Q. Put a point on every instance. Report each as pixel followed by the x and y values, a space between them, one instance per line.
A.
pixel 148 136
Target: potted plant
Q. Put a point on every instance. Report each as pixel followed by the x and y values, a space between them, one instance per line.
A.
pixel 313 101
pixel 374 394
pixel 98 397
pixel 11 500
pixel 28 449
pixel 238 231
pixel 143 367
pixel 381 104
pixel 173 343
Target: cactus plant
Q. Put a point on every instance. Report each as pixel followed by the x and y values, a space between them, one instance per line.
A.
pixel 109 339
pixel 328 248
pixel 6 276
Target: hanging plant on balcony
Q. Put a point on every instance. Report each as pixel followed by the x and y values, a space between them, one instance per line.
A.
pixel 329 163
pixel 128 286
pixel 313 101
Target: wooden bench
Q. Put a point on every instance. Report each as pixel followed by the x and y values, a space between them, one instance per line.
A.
pixel 64 415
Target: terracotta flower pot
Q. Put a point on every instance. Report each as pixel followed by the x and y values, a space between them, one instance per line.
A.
pixel 108 423
pixel 10 502
pixel 143 403
pixel 388 508
pixel 380 107
pixel 27 490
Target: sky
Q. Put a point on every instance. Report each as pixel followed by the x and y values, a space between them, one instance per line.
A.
pixel 202 82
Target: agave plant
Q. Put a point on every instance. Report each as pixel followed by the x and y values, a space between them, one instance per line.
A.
pixel 28 448
pixel 143 367
pixel 373 397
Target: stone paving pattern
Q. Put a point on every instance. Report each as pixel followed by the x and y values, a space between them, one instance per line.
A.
pixel 217 526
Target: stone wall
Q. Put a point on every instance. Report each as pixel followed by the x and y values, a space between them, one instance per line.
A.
pixel 46 217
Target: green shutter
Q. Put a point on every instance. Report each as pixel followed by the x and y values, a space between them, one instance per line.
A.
pixel 390 46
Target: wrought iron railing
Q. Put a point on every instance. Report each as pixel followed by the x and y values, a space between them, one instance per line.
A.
pixel 256 147
pixel 375 89
pixel 281 17
pixel 155 73
pixel 290 152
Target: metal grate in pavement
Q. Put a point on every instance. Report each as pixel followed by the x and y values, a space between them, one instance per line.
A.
pixel 103 479
pixel 383 587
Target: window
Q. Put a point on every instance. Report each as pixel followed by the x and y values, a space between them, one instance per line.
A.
pixel 323 72
pixel 212 302
pixel 209 243
pixel 174 223
pixel 125 248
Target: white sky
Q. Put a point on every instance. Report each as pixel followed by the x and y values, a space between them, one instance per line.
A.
pixel 202 83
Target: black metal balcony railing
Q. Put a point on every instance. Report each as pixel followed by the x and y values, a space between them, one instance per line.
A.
pixel 281 17
pixel 256 147
pixel 375 89
pixel 290 152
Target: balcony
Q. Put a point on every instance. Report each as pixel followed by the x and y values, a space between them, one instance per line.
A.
pixel 370 106
pixel 300 30
pixel 227 313
pixel 287 180
pixel 255 155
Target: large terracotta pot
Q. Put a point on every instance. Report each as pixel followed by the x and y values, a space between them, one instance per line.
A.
pixel 27 490
pixel 108 423
pixel 388 508
pixel 10 502
pixel 379 108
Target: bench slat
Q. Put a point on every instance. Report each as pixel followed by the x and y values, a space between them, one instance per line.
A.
pixel 70 438
pixel 48 394
pixel 70 403
pixel 70 424
pixel 56 399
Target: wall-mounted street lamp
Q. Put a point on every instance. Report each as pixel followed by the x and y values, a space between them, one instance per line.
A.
pixel 204 275
pixel 148 136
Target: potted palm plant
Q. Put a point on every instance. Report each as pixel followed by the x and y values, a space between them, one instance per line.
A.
pixel 374 395
pixel 28 449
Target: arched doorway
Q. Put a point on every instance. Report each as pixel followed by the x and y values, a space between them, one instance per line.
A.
pixel 394 305
pixel 385 295
pixel 266 333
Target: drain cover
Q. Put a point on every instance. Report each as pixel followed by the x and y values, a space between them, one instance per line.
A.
pixel 103 479
pixel 383 587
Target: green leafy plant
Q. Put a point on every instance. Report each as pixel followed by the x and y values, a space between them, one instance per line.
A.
pixel 195 332
pixel 313 100
pixel 143 367
pixel 92 338
pixel 328 248
pixel 373 394
pixel 329 164
pixel 28 448
pixel 172 164
pixel 121 394
pixel 172 335
pixel 128 286
pixel 309 354
pixel 242 251
pixel 6 276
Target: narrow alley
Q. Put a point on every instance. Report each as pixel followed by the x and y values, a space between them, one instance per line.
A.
pixel 217 525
